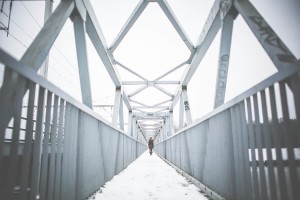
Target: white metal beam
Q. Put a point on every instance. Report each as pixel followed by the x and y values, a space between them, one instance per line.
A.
pixel 33 58
pixel 95 33
pixel 167 82
pixel 169 13
pixel 117 106
pixel 129 124
pixel 137 114
pixel 156 107
pixel 172 130
pixel 137 91
pixel 81 49
pixel 41 45
pixel 137 102
pixel 210 30
pixel 134 82
pixel 160 103
pixel 181 113
pixel 225 44
pixel 172 70
pixel 48 11
pixel 186 106
pixel 278 52
pixel 163 90
pixel 132 19
pixel 121 115
pixel 131 71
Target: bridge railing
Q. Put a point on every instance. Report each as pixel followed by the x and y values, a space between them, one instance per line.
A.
pixel 248 148
pixel 54 147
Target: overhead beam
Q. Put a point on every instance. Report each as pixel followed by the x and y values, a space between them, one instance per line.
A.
pixel 95 33
pixel 172 70
pixel 156 107
pixel 131 71
pixel 137 91
pixel 167 82
pixel 158 104
pixel 163 90
pixel 170 15
pixel 209 32
pixel 134 82
pixel 136 114
pixel 131 20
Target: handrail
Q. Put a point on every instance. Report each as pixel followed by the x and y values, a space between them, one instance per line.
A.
pixel 280 75
pixel 24 70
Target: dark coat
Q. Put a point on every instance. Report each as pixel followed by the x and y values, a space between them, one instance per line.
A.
pixel 150 144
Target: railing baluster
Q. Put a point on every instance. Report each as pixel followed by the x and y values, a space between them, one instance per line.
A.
pixel 8 75
pixel 258 134
pixel 278 146
pixel 253 151
pixel 53 150
pixel 237 158
pixel 13 155
pixel 245 149
pixel 36 163
pixel 45 155
pixel 28 142
pixel 59 150
pixel 268 146
pixel 289 143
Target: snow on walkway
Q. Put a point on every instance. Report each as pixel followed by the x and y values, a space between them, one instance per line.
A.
pixel 149 178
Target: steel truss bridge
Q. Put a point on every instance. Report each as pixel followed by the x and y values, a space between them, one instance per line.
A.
pixel 60 148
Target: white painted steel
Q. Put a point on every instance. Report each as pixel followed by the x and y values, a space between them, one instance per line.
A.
pixel 133 17
pixel 117 106
pixel 169 13
pixel 84 150
pixel 224 55
pixel 82 59
pixel 215 150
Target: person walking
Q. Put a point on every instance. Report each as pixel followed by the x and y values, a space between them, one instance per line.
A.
pixel 150 145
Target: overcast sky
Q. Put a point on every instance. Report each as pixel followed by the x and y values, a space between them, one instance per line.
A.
pixel 153 47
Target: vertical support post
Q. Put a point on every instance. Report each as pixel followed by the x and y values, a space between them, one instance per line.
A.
pixel 48 12
pixel 186 105
pixel 225 44
pixel 129 123
pixel 181 112
pixel 121 115
pixel 79 30
pixel 168 126
pixel 171 123
pixel 37 154
pixel 133 127
pixel 116 106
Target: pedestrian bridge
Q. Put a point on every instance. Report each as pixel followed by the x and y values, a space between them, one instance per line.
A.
pixel 53 146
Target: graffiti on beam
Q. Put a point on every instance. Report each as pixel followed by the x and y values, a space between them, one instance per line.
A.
pixel 186 105
pixel 272 39
pixel 209 21
pixel 222 77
